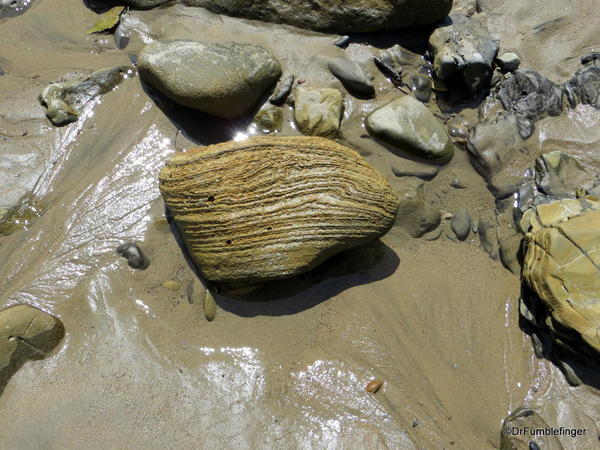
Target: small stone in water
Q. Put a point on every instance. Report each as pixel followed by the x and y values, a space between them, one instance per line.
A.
pixel 107 21
pixel 343 41
pixel 210 306
pixel 171 285
pixel 135 257
pixel 374 386
pixel 533 446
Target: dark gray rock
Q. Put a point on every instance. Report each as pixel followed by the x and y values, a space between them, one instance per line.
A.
pixel 420 87
pixel 508 62
pixel 586 85
pixel 531 97
pixel 282 90
pixel 220 79
pixel 13 8
pixel 461 223
pixel 463 47
pixel 145 4
pixel 134 255
pixel 352 76
pixel 342 16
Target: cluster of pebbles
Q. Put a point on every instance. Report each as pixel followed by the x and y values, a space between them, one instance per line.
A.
pixel 271 207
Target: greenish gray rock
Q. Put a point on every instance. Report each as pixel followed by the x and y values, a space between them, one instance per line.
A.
pixel 25 333
pixel 318 111
pixel 463 47
pixel 407 168
pixel 269 119
pixel 221 79
pixel 416 215
pixel 65 101
pixel 560 175
pixel 508 62
pixel 407 125
pixel 342 16
pixel 461 223
pixel 352 76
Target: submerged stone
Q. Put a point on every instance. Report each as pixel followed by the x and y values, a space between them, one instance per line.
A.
pixel 220 79
pixel 560 175
pixel 271 207
pixel 134 255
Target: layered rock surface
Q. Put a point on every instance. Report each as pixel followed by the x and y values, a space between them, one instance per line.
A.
pixel 220 79
pixel 270 208
pixel 334 15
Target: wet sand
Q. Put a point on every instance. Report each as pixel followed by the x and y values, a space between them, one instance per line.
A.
pixel 140 367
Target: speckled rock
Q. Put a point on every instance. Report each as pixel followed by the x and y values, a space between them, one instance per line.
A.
pixel 406 124
pixel 220 79
pixel 334 15
pixel 270 208
pixel 586 85
pixel 318 111
pixel 463 47
pixel 25 333
pixel 562 262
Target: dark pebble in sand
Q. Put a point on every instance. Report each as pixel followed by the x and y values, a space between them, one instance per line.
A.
pixel 135 256
pixel 388 70
pixel 343 41
pixel 461 224
pixel 283 89
pixel 533 446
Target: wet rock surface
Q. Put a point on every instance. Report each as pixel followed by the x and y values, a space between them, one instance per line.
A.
pixel 407 125
pixel 586 85
pixel 464 49
pixel 220 79
pixel 25 333
pixel 461 224
pixel 65 102
pixel 273 206
pixel 134 255
pixel 561 176
pixel 336 15
pixel 318 111
pixel 352 76
pixel 416 215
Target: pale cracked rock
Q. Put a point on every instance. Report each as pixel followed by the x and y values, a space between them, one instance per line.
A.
pixel 220 79
pixel 25 333
pixel 407 125
pixel 562 264
pixel 273 207
pixel 318 111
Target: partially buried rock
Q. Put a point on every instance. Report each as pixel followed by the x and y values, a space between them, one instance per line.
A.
pixel 586 85
pixel 65 101
pixel 25 333
pixel 134 255
pixel 561 266
pixel 269 119
pixel 220 79
pixel 407 168
pixel 407 124
pixel 334 15
pixel 461 223
pixel 560 175
pixel 508 62
pixel 463 48
pixel 352 76
pixel 416 215
pixel 318 111
pixel 270 208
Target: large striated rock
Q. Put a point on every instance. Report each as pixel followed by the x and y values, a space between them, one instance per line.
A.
pixel 270 208
pixel 342 16
pixel 406 124
pixel 463 47
pixel 25 333
pixel 220 79
pixel 562 264
pixel 318 111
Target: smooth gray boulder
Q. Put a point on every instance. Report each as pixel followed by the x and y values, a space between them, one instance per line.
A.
pixel 352 76
pixel 463 47
pixel 221 79
pixel 342 16
pixel 407 125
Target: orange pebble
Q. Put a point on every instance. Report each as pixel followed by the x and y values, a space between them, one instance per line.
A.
pixel 374 386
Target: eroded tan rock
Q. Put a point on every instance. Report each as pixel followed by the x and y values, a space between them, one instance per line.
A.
pixel 25 333
pixel 562 264
pixel 318 111
pixel 273 207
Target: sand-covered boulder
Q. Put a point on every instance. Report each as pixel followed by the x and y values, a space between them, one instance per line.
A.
pixel 25 333
pixel 271 207
pixel 342 16
pixel 220 79
pixel 562 263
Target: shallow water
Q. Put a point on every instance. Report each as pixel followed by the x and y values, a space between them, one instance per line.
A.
pixel 141 367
